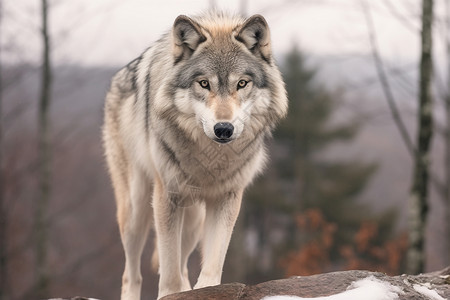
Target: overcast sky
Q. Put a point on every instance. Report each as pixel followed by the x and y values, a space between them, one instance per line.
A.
pixel 113 32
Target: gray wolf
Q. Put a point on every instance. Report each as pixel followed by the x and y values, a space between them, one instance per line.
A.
pixel 184 132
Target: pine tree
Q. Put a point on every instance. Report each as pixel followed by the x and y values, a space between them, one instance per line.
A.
pixel 331 186
pixel 301 180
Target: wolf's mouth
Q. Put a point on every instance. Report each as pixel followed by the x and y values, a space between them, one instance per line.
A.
pixel 223 141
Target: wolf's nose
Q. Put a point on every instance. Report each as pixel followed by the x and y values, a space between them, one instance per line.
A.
pixel 223 130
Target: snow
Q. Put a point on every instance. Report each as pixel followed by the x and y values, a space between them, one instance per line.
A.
pixel 74 298
pixel 369 288
pixel 424 290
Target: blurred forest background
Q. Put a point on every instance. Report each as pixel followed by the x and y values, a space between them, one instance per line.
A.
pixel 335 196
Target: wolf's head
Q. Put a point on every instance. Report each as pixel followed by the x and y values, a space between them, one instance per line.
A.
pixel 226 75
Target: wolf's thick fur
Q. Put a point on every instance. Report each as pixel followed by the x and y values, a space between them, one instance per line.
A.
pixel 184 132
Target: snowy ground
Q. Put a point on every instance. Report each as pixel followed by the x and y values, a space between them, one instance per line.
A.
pixel 369 288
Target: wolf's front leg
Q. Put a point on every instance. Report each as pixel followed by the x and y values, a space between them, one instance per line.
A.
pixel 220 218
pixel 168 221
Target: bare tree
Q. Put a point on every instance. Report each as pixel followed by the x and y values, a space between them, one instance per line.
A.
pixel 418 205
pixel 41 233
pixel 447 141
pixel 3 216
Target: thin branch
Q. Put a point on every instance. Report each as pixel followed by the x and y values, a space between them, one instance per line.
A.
pixel 404 20
pixel 384 81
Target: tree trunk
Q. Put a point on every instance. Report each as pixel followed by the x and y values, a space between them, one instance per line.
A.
pixel 447 145
pixel 418 205
pixel 41 233
pixel 3 216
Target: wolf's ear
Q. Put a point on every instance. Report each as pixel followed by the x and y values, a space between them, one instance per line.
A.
pixel 187 36
pixel 255 35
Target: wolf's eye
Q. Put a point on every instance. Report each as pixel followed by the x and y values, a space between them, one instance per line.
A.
pixel 204 84
pixel 242 84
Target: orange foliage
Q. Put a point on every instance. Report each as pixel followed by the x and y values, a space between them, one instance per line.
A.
pixel 365 254
pixel 314 256
pixel 365 234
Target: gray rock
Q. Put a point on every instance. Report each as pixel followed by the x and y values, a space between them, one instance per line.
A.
pixel 322 285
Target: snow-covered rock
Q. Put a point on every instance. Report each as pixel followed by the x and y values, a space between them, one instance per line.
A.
pixel 348 285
